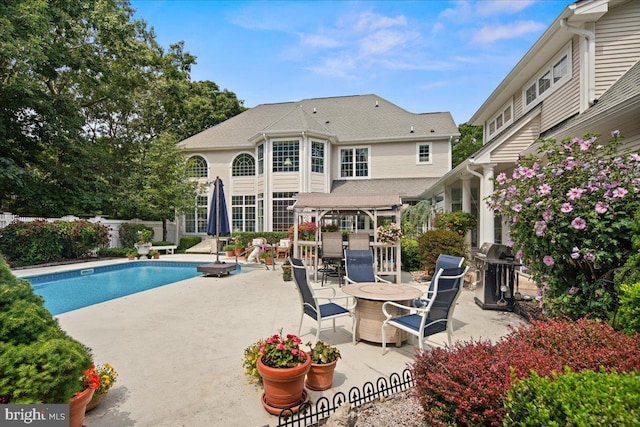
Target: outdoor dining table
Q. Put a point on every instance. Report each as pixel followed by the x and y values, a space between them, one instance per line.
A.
pixel 369 316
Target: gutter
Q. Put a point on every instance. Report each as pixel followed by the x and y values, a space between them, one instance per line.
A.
pixel 587 66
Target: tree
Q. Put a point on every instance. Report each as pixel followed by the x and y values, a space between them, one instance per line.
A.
pixel 470 141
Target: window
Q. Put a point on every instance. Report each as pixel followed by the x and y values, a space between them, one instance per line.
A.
pixel 502 119
pixel 286 156
pixel 243 213
pixel 456 199
pixel 196 221
pixel 317 157
pixel 354 162
pixel 197 167
pixel 556 73
pixel 243 165
pixel 260 221
pixel 423 153
pixel 282 217
pixel 260 159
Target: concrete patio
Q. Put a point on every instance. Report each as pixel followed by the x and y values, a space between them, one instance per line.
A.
pixel 178 349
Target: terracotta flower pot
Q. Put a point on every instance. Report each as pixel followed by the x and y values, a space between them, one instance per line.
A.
pixel 283 387
pixel 78 406
pixel 320 376
pixel 93 403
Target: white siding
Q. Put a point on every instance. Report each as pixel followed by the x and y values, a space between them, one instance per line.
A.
pixel 243 185
pixel 318 183
pixel 564 102
pixel 286 182
pixel 617 44
pixel 398 160
pixel 509 150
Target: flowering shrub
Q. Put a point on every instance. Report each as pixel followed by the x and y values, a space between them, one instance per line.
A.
pixel 282 352
pixel 570 219
pixel 306 231
pixel 457 221
pixel 389 233
pixel 466 384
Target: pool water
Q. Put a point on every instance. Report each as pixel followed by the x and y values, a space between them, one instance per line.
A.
pixel 75 289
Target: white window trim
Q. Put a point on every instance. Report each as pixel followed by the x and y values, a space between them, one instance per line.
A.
pixel 496 128
pixel 354 147
pixel 418 145
pixel 255 165
pixel 273 154
pixel 324 156
pixel 548 68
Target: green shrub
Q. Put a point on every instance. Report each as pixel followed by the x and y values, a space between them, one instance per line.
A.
pixel 630 307
pixel 410 256
pixel 435 242
pixel 575 399
pixel 458 221
pixel 188 242
pixel 246 237
pixel 128 234
pixel 40 362
pixel 162 243
pixel 114 252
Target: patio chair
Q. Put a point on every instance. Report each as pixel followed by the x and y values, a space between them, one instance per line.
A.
pixel 358 241
pixel 310 302
pixel 282 250
pixel 332 254
pixel 359 267
pixel 443 262
pixel 433 318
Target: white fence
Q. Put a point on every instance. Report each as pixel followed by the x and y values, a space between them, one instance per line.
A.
pixel 113 224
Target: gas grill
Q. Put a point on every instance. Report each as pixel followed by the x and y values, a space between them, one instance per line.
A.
pixel 497 278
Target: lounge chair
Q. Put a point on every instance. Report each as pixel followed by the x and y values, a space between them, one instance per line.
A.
pixel 310 302
pixel 359 267
pixel 435 316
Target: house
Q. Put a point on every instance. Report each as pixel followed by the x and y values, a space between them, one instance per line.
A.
pixel 360 144
pixel 582 75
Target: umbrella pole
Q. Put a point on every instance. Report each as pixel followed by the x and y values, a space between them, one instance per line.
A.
pixel 217 218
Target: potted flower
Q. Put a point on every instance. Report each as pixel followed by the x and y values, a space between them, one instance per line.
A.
pixel 238 248
pixel 267 256
pixel 154 254
pixel 108 376
pixel 283 367
pixel 286 271
pixel 132 254
pixel 389 233
pixel 229 249
pixel 323 363
pixel 79 402
pixel 143 245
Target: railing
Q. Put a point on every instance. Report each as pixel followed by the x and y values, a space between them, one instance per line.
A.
pixel 312 414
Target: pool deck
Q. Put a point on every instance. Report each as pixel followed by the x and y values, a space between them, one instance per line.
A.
pixel 178 349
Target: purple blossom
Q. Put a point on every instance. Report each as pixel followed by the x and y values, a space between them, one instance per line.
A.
pixel 573 290
pixel 601 207
pixel 519 254
pixel 547 215
pixel 615 133
pixel 540 227
pixel 548 260
pixel 575 193
pixel 619 192
pixel 501 178
pixel 566 207
pixel 589 256
pixel 575 253
pixel 579 223
pixel 517 207
pixel 544 189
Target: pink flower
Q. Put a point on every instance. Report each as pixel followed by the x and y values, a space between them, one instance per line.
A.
pixel 566 207
pixel 619 192
pixel 547 215
pixel 501 178
pixel 548 260
pixel 540 226
pixel 517 207
pixel 584 145
pixel 601 207
pixel 573 290
pixel 589 256
pixel 544 189
pixel 575 193
pixel 519 254
pixel 579 223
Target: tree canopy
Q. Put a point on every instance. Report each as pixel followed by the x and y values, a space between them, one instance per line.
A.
pixel 470 141
pixel 86 94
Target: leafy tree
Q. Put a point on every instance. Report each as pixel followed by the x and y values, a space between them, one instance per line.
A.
pixel 470 141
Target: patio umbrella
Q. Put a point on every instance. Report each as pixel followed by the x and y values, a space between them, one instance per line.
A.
pixel 218 224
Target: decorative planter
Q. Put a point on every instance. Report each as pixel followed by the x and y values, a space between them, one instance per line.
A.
pixel 95 402
pixel 143 249
pixel 320 376
pixel 283 387
pixel 230 253
pixel 268 260
pixel 237 251
pixel 78 406
pixel 286 277
pixel 156 256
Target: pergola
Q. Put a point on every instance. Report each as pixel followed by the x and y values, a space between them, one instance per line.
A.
pixel 316 206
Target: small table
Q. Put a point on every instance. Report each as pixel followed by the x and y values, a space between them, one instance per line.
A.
pixel 369 316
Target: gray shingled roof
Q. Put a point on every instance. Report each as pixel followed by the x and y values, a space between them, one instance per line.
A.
pixel 346 201
pixel 407 188
pixel 346 118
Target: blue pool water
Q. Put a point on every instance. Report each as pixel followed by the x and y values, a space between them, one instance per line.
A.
pixel 75 289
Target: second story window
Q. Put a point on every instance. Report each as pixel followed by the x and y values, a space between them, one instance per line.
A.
pixel 317 157
pixel 423 153
pixel 197 167
pixel 502 119
pixel 354 162
pixel 286 156
pixel 243 165
pixel 260 159
pixel 552 76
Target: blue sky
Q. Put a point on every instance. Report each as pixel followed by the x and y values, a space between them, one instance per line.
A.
pixel 424 56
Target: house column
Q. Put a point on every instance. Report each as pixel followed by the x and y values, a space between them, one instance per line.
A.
pixel 466 202
pixel 486 229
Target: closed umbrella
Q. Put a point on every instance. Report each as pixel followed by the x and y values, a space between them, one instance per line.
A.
pixel 218 224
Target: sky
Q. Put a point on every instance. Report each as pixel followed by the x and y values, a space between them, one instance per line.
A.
pixel 424 56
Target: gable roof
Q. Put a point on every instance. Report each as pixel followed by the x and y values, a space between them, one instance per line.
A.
pixel 343 119
pixel 406 188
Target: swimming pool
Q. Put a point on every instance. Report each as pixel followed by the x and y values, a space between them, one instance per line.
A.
pixel 75 289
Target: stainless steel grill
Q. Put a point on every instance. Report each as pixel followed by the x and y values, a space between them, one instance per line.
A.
pixel 497 278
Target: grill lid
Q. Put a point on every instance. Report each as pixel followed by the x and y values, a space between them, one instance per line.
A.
pixel 492 251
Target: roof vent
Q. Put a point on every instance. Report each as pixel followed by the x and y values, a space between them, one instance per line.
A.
pixel 376 104
pixel 432 130
pixel 327 122
pixel 411 130
pixel 314 110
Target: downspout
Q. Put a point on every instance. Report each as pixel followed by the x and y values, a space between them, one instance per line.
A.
pixel 481 236
pixel 588 62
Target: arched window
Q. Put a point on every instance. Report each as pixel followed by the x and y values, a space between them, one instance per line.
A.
pixel 243 165
pixel 197 167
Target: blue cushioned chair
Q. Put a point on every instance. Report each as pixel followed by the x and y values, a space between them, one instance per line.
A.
pixel 436 315
pixel 312 308
pixel 443 262
pixel 359 267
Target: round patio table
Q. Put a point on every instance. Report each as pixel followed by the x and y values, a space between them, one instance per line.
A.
pixel 369 316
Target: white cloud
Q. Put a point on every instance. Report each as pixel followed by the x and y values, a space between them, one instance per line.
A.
pixel 319 41
pixel 490 34
pixel 373 21
pixel 465 10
